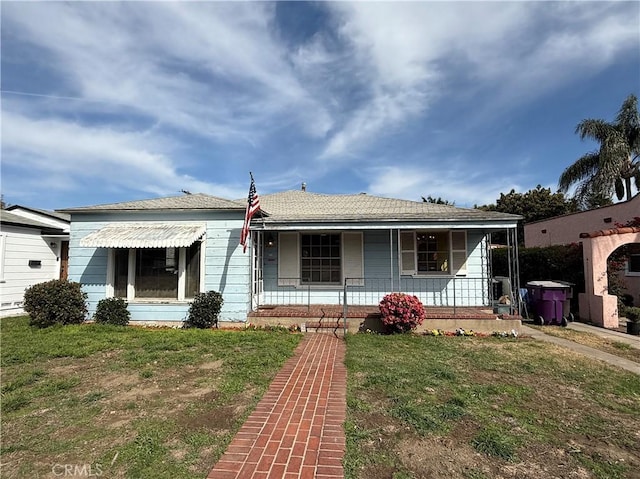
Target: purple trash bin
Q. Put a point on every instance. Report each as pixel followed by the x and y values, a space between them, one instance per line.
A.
pixel 548 300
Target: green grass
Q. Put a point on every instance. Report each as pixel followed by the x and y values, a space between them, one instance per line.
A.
pixel 482 406
pixel 495 441
pixel 159 403
pixel 165 403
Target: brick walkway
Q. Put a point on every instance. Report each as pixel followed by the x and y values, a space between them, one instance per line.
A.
pixel 296 430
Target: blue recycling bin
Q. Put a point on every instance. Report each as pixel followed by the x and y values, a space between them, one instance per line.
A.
pixel 549 301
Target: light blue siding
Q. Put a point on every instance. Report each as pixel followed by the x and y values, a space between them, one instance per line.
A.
pixel 227 269
pixel 381 277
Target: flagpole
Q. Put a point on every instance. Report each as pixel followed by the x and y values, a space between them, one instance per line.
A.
pixel 253 206
pixel 261 215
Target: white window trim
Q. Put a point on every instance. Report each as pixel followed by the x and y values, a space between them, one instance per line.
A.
pixel 111 273
pixel 182 279
pixel 630 273
pixel 131 276
pixel 203 263
pixel 298 261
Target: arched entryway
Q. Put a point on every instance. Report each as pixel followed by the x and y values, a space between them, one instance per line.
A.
pixel 596 304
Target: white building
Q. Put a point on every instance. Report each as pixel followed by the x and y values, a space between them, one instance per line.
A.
pixel 34 246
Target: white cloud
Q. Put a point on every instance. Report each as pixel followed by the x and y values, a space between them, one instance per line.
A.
pixel 209 68
pixel 154 78
pixel 508 52
pixel 69 155
pixel 452 181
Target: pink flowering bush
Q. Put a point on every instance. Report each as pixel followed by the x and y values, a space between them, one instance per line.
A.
pixel 401 312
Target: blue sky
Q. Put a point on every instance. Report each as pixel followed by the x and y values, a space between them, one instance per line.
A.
pixel 105 102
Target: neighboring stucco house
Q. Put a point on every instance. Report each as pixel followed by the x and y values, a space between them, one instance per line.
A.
pixel 306 248
pixel 31 251
pixel 567 229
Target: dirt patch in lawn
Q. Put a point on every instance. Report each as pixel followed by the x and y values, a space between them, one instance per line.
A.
pixel 116 398
pixel 510 410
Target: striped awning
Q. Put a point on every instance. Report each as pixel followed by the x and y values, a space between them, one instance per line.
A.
pixel 144 235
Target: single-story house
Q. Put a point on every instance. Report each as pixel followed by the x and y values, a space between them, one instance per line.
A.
pixel 306 248
pixel 33 249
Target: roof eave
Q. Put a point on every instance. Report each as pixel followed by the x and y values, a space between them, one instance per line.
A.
pixel 142 210
pixel 44 229
pixel 495 223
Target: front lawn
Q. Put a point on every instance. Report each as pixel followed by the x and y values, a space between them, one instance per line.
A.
pixel 139 403
pixel 128 402
pixel 480 408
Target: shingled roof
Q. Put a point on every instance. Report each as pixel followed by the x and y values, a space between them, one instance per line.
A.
pixel 8 218
pixel 50 214
pixel 297 206
pixel 198 201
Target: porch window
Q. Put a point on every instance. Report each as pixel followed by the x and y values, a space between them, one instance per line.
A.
pixel 433 252
pixel 320 258
pixel 155 273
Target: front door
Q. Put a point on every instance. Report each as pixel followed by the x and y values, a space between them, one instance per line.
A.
pixel 64 259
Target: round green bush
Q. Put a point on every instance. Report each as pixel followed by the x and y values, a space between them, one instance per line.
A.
pixel 204 310
pixel 55 302
pixel 632 313
pixel 401 312
pixel 112 311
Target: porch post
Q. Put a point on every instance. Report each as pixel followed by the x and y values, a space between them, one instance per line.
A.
pixel 252 273
pixel 345 309
pixel 399 259
pixel 516 269
pixel 391 257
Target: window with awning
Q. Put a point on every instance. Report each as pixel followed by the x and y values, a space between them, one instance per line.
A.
pixel 151 260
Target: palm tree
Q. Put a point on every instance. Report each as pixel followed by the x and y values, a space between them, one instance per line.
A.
pixel 612 168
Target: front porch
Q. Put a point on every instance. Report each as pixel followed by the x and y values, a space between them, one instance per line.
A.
pixel 448 269
pixel 367 318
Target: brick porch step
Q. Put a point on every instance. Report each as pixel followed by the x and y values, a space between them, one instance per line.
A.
pixel 324 324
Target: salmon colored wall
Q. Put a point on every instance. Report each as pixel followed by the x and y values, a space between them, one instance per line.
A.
pixel 567 228
pixel 596 304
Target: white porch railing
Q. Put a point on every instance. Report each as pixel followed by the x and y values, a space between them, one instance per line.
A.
pixel 450 292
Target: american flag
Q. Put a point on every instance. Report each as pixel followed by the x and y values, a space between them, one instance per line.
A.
pixel 253 206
